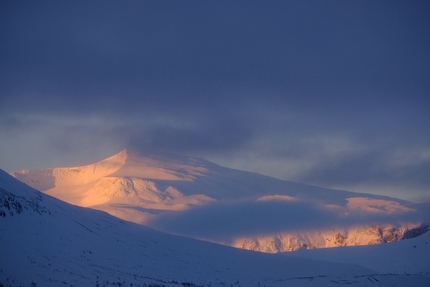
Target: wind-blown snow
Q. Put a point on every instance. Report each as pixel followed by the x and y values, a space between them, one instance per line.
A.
pixel 196 198
pixel 46 242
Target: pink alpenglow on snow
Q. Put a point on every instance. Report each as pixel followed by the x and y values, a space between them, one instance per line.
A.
pixel 193 197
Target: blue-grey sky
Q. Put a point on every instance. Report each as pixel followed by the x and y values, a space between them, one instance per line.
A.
pixel 330 93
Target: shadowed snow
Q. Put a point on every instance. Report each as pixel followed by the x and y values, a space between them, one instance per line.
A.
pixel 193 197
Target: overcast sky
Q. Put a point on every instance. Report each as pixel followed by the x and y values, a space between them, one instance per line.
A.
pixel 330 93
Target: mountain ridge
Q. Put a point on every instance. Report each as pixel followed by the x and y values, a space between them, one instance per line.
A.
pixel 174 193
pixel 75 246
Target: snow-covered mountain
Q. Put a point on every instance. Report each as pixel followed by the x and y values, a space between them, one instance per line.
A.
pixel 196 198
pixel 47 242
pixel 402 257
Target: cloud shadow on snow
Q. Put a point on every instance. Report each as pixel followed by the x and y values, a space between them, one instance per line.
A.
pixel 221 221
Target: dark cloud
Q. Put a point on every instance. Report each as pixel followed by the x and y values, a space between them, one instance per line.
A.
pixel 308 51
pixel 332 86
pixel 369 167
pixel 218 137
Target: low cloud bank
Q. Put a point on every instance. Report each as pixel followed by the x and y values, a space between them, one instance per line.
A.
pixel 220 221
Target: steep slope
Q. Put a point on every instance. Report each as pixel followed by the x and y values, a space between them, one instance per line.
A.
pixel 196 198
pixel 46 242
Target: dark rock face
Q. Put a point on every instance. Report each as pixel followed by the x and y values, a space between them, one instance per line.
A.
pixel 414 232
pixel 11 204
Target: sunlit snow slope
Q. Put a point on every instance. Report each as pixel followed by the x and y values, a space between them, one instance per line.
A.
pixel 196 198
pixel 402 257
pixel 46 242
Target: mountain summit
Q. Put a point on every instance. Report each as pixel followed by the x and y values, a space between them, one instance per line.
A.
pixel 196 198
pixel 47 242
pixel 128 162
pixel 126 174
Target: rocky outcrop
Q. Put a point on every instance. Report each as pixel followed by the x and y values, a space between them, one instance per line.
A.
pixel 354 236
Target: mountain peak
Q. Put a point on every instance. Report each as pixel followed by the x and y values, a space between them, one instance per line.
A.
pixel 165 191
pixel 156 165
pixel 129 163
pixel 39 232
pixel 129 152
pixel 133 154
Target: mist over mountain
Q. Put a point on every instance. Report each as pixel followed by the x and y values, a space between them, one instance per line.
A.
pixel 193 197
pixel 47 242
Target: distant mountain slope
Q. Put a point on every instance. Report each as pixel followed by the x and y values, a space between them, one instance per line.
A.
pixel 196 198
pixel 46 242
pixel 403 257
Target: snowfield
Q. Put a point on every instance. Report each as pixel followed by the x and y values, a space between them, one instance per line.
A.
pixel 195 198
pixel 47 242
pixel 402 257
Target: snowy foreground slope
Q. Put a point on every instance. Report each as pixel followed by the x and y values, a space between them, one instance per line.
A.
pixel 195 198
pixel 402 257
pixel 47 242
